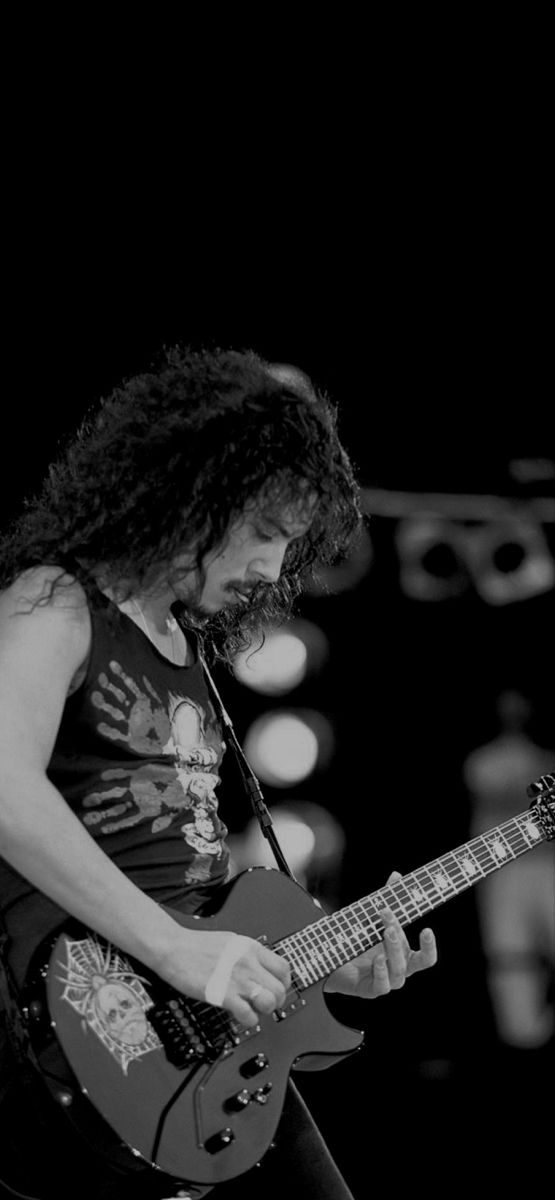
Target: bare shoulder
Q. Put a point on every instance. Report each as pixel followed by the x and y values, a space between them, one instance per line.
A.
pixel 46 602
pixel 43 587
pixel 45 639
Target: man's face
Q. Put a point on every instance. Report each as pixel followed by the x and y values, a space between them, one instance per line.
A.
pixel 252 552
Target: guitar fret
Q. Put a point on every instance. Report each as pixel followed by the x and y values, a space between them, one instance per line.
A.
pixel 297 960
pixel 348 932
pixel 346 938
pixel 519 836
pixel 417 896
pixel 455 871
pixel 523 833
pixel 435 883
pixel 374 923
pixel 528 830
pixel 367 923
pixel 312 966
pixel 350 936
pixel 345 949
pixel 320 969
pixel 442 878
pixel 494 850
pixel 320 948
pixel 469 863
pixel 315 951
pixel 401 907
pixel 323 950
pixel 499 849
pixel 350 927
pixel 505 839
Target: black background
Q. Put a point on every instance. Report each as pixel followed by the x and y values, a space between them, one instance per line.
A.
pixel 405 272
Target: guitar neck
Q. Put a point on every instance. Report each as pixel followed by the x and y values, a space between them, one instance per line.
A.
pixel 316 951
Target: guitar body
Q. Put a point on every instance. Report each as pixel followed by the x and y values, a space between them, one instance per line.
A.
pixel 150 1075
pixel 179 1082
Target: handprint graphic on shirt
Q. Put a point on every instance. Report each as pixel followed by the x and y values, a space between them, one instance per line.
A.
pixel 142 719
pixel 149 790
pixel 155 791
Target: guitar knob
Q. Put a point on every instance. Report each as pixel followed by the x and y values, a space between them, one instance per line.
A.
pixel 262 1094
pixel 238 1102
pixel 252 1066
pixel 219 1141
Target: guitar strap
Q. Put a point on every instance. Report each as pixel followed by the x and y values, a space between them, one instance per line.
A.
pixel 250 782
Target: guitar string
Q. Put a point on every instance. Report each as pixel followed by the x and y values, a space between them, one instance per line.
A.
pixel 217 1021
pixel 449 863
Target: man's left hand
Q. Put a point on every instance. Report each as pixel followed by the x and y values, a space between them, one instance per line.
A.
pixel 386 967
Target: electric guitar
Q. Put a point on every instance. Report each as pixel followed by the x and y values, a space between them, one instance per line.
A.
pixel 178 1084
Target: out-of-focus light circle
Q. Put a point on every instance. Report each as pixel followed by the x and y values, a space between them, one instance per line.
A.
pixel 285 747
pixel 278 666
pixel 309 835
pixel 285 658
pixel 295 836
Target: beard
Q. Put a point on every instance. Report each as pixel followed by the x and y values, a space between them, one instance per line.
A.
pixel 234 628
pixel 226 631
pixel 190 614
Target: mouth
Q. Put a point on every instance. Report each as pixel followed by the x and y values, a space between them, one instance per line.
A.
pixel 243 590
pixel 242 596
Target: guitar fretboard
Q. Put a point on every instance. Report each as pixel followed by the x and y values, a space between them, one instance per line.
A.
pixel 316 951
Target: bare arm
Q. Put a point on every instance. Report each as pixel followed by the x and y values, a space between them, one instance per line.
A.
pixel 40 652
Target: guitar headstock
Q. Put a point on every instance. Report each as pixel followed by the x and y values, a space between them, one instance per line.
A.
pixel 542 794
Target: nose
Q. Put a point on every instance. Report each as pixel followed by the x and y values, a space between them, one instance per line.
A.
pixel 267 565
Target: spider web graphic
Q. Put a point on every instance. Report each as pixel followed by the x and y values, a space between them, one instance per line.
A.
pixel 109 997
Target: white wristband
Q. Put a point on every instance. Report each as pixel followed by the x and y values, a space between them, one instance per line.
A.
pixel 216 987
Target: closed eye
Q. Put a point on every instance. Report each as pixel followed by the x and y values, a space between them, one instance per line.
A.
pixel 265 535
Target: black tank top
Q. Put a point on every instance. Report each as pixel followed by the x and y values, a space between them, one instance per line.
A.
pixel 137 758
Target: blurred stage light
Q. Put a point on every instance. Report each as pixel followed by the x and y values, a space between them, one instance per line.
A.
pixel 283 661
pixel 311 838
pixel 284 747
pixel 509 561
pixel 296 838
pixel 431 557
pixel 278 666
pixel 505 560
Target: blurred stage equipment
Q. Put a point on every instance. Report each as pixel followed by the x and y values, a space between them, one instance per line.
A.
pixel 510 560
pixel 447 544
pixel 505 560
pixel 431 558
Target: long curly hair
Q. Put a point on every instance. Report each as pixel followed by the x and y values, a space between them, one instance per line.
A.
pixel 170 457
